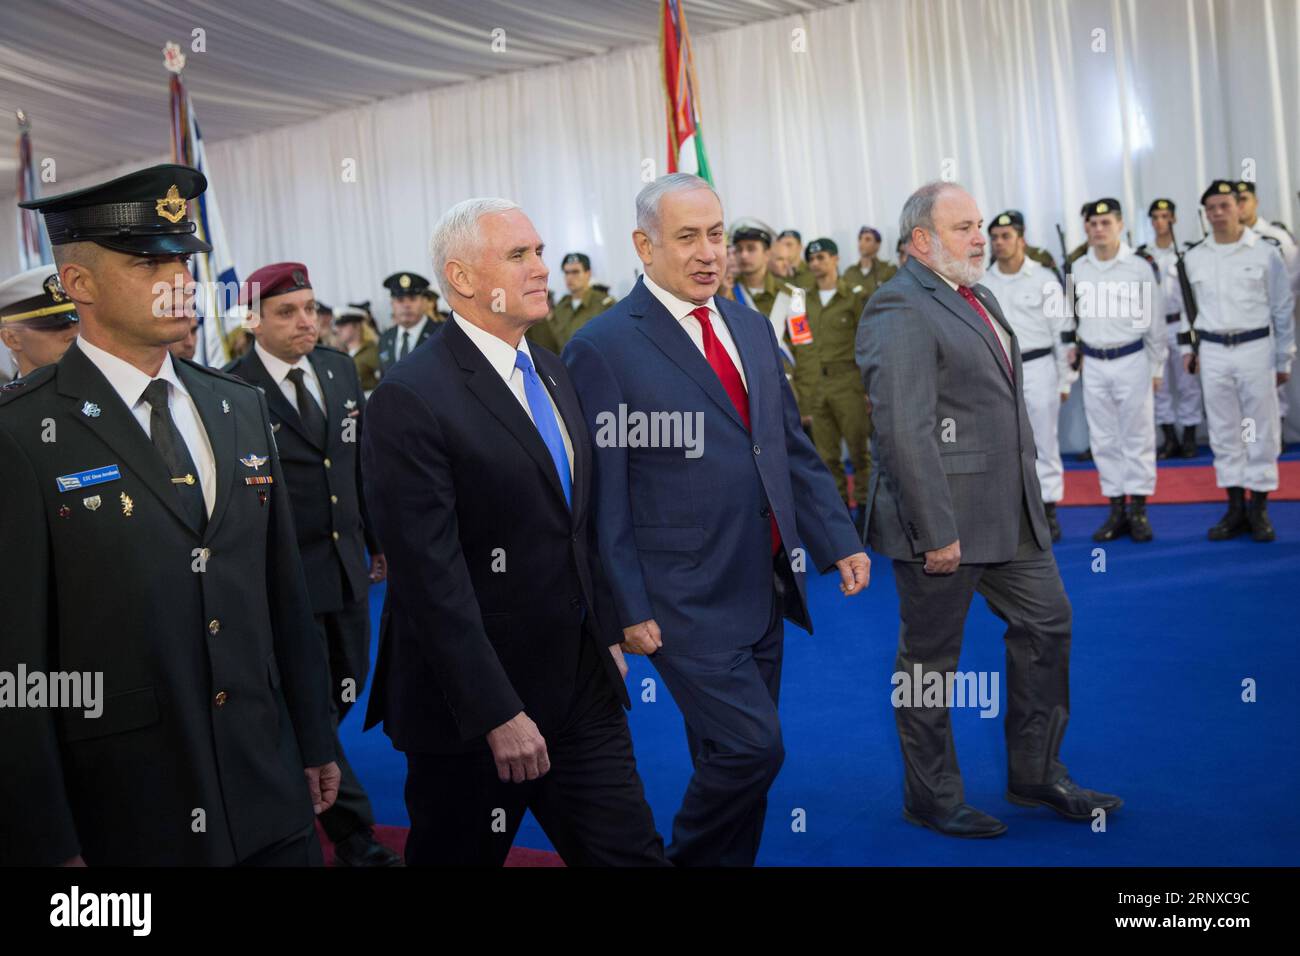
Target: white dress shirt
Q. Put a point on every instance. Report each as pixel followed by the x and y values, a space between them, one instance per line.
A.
pixel 502 359
pixel 279 371
pixel 999 332
pixel 680 310
pixel 129 383
pixel 413 333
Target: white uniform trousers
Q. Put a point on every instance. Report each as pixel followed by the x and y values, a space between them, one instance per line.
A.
pixel 1178 402
pixel 1119 404
pixel 1043 402
pixel 1241 413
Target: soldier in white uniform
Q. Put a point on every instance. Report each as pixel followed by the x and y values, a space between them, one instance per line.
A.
pixel 1178 401
pixel 1246 336
pixel 1121 335
pixel 1030 295
pixel 1248 213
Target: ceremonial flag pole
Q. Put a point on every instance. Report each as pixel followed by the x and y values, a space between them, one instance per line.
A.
pixel 33 242
pixel 214 271
pixel 681 87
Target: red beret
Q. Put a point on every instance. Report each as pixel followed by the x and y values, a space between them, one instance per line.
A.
pixel 275 279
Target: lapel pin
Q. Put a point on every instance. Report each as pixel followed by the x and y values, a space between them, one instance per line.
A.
pixel 252 461
pixel 90 410
pixel 329 372
pixel 225 406
pixel 128 506
pixel 553 385
pixel 275 427
pixel 92 503
pixel 65 511
pixel 261 496
pixel 183 480
pixel 350 403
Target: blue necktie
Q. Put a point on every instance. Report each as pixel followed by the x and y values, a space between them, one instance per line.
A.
pixel 544 418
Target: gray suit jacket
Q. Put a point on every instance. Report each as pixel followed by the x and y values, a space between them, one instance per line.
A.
pixel 953 447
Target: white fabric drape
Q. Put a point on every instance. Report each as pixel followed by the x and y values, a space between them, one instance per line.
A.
pixel 822 122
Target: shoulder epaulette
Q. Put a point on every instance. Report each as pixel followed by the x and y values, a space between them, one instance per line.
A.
pixel 1273 239
pixel 220 373
pixel 29 383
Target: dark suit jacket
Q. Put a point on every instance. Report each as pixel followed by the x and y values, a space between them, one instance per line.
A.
pixel 953 447
pixel 327 499
pixel 492 578
pixel 389 343
pixel 110 578
pixel 687 540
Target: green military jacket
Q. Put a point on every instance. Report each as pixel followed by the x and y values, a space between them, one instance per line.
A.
pixel 835 326
pixel 565 320
pixel 871 280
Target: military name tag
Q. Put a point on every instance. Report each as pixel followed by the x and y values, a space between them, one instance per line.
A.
pixel 84 479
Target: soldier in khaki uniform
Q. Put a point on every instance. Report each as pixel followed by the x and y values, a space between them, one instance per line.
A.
pixel 869 272
pixel 759 288
pixel 793 243
pixel 583 303
pixel 834 309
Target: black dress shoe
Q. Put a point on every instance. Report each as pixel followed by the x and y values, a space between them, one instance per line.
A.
pixel 361 849
pixel 965 821
pixel 1065 797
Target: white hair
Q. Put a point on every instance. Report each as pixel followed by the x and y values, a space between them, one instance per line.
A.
pixel 650 196
pixel 456 235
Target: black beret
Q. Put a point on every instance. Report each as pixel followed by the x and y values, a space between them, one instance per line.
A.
pixel 793 233
pixel 1161 204
pixel 579 257
pixel 1100 207
pixel 821 245
pixel 1012 217
pixel 1220 187
pixel 1244 186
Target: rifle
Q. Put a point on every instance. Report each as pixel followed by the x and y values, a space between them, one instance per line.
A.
pixel 1189 303
pixel 1067 285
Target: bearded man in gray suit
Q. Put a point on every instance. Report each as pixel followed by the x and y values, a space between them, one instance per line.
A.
pixel 955 503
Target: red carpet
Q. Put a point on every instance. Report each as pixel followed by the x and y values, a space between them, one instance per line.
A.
pixel 395 839
pixel 1178 485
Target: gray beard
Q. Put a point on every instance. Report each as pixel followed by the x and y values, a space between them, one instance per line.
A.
pixel 965 272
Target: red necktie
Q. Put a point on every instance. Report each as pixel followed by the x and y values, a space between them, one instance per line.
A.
pixel 732 384
pixel 969 296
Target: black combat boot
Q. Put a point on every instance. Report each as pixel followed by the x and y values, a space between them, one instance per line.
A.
pixel 1170 448
pixel 1261 529
pixel 1116 522
pixel 1234 522
pixel 1053 525
pixel 1189 442
pixel 1139 528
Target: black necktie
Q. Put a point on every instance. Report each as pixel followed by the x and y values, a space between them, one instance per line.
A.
pixel 175 455
pixel 406 345
pixel 313 419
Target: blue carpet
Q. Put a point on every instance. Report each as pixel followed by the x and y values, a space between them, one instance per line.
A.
pixel 1162 642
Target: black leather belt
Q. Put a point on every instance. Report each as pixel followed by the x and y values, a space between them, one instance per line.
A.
pixel 1117 352
pixel 1173 317
pixel 1034 354
pixel 1234 338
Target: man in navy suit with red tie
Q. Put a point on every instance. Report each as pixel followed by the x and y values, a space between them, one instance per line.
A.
pixel 706 542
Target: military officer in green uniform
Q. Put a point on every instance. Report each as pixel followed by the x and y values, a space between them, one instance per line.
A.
pixel 869 271
pixel 583 303
pixel 758 287
pixel 840 414
pixel 793 242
